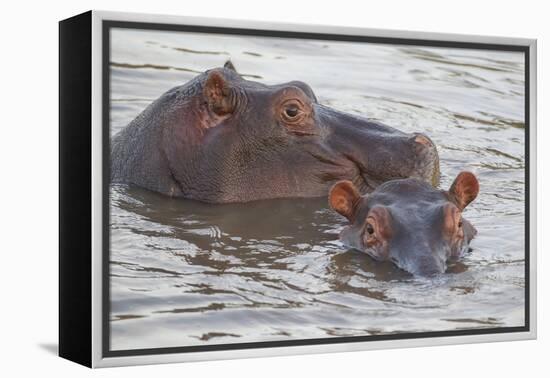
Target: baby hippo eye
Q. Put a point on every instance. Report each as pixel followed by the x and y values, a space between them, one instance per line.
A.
pixel 370 229
pixel 460 223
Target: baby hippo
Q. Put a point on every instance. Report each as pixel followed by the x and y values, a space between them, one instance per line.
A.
pixel 408 221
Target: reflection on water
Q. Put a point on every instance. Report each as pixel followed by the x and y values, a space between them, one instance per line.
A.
pixel 187 273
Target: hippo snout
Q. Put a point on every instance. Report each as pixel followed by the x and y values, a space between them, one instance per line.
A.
pixel 423 261
pixel 427 159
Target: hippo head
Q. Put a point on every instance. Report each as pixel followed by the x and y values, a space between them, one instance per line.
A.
pixel 228 139
pixel 408 222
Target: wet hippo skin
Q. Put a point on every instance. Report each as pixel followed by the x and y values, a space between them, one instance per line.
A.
pixel 220 138
pixel 408 222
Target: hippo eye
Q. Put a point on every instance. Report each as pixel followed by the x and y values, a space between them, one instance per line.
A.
pixel 292 111
pixel 370 229
pixel 460 223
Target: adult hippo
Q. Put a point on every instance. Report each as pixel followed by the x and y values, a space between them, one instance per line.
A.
pixel 220 138
pixel 408 222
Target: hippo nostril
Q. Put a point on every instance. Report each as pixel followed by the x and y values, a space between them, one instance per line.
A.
pixel 427 159
pixel 423 140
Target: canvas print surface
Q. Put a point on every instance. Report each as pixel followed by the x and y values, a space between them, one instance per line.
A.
pixel 223 232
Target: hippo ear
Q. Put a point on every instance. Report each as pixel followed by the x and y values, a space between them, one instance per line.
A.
pixel 464 189
pixel 229 65
pixel 343 198
pixel 217 92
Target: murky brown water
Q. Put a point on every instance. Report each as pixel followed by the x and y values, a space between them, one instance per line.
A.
pixel 185 273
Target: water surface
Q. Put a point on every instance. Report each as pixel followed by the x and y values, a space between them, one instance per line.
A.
pixel 185 273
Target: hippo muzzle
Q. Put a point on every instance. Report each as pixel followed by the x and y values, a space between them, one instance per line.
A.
pixel 380 152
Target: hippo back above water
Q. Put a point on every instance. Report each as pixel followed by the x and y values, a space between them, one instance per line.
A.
pixel 220 138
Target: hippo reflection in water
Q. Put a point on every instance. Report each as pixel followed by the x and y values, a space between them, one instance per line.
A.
pixel 221 138
pixel 408 222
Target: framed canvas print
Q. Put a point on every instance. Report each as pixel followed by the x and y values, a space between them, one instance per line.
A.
pixel 232 189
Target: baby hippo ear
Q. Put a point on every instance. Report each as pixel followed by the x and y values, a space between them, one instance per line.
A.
pixel 464 189
pixel 343 198
pixel 218 93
